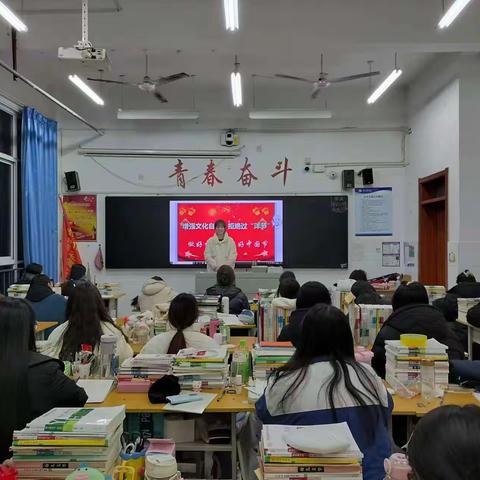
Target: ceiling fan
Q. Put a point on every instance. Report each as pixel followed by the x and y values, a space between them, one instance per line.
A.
pixel 147 85
pixel 323 80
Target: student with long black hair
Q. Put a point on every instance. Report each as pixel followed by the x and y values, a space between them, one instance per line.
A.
pixel 32 384
pixel 87 320
pixel 182 314
pixel 322 384
pixel 310 294
pixel 446 444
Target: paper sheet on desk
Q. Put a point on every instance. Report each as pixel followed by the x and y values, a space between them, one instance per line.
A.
pixel 97 390
pixel 192 407
pixel 229 319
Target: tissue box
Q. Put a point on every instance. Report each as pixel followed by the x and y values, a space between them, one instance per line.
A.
pixel 179 428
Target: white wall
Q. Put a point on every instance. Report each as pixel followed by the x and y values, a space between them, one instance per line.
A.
pixel 150 177
pixel 433 146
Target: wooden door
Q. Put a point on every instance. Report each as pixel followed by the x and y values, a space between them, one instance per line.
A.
pixel 433 229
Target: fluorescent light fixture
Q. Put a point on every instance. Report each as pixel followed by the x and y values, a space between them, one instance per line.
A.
pixel 76 80
pixel 140 153
pixel 237 97
pixel 289 114
pixel 231 14
pixel 452 13
pixel 157 115
pixel 12 19
pixel 384 86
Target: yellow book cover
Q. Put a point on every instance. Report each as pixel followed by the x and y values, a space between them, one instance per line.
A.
pixel 314 461
pixel 100 442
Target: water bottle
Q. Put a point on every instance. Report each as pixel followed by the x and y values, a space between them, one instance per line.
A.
pixel 225 304
pixel 241 362
pixel 397 467
pixel 108 346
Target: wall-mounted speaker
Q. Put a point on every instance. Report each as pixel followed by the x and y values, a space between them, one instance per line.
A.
pixel 367 176
pixel 73 182
pixel 348 179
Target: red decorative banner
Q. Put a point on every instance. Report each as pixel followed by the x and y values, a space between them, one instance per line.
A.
pixel 252 226
pixel 81 211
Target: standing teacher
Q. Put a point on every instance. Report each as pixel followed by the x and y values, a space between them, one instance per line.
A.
pixel 220 249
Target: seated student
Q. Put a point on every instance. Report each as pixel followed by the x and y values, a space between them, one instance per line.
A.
pixel 225 287
pixel 365 294
pixel 322 384
pixel 413 314
pixel 466 287
pixel 32 384
pixel 445 444
pixel 182 314
pixel 358 275
pixel 77 273
pixel 309 295
pixel 31 271
pixel 47 305
pixel 286 298
pixel 287 274
pixel 87 320
pixel 155 291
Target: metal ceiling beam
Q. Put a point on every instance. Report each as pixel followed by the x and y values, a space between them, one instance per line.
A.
pixel 50 97
pixel 66 11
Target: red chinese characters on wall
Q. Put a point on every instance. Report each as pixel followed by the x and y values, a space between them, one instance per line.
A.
pixel 247 176
pixel 209 176
pixel 282 167
pixel 179 173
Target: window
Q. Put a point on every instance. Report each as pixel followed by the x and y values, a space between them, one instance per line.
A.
pixel 9 170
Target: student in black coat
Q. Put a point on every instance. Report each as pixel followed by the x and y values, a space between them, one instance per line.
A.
pixel 309 295
pixel 225 287
pixel 77 272
pixel 31 271
pixel 365 294
pixel 32 384
pixel 413 314
pixel 466 287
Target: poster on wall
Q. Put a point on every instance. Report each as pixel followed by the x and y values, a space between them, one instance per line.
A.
pixel 373 212
pixel 409 254
pixel 81 211
pixel 390 254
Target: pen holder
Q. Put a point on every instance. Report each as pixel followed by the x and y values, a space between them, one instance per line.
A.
pixel 81 370
pixel 136 462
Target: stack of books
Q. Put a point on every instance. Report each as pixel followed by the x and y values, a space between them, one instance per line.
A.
pixel 138 373
pixel 18 290
pixel 268 356
pixel 60 441
pixel 435 292
pixel 266 320
pixel 366 321
pixel 464 305
pixel 208 305
pixel 210 367
pixel 404 363
pixel 280 460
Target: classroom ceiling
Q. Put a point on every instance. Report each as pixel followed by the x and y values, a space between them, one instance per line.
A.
pixel 275 36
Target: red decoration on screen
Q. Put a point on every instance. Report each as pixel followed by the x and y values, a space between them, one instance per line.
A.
pixel 210 177
pixel 179 173
pixel 283 170
pixel 247 176
pixel 250 224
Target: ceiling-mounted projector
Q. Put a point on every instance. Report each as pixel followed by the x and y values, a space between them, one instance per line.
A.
pixel 84 51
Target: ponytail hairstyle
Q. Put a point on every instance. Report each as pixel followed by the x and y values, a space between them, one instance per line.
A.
pixel 182 314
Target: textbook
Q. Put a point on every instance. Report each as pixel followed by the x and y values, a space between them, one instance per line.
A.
pixel 71 421
pixel 203 356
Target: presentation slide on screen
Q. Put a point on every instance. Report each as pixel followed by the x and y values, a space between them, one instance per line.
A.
pixel 255 226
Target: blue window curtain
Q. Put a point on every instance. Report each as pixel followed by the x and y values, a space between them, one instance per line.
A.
pixel 39 191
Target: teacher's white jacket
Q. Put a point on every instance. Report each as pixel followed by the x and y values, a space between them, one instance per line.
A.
pixel 220 252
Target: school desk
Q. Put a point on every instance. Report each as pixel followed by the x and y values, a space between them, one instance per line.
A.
pixel 414 408
pixel 42 327
pixel 473 336
pixel 251 341
pixel 228 404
